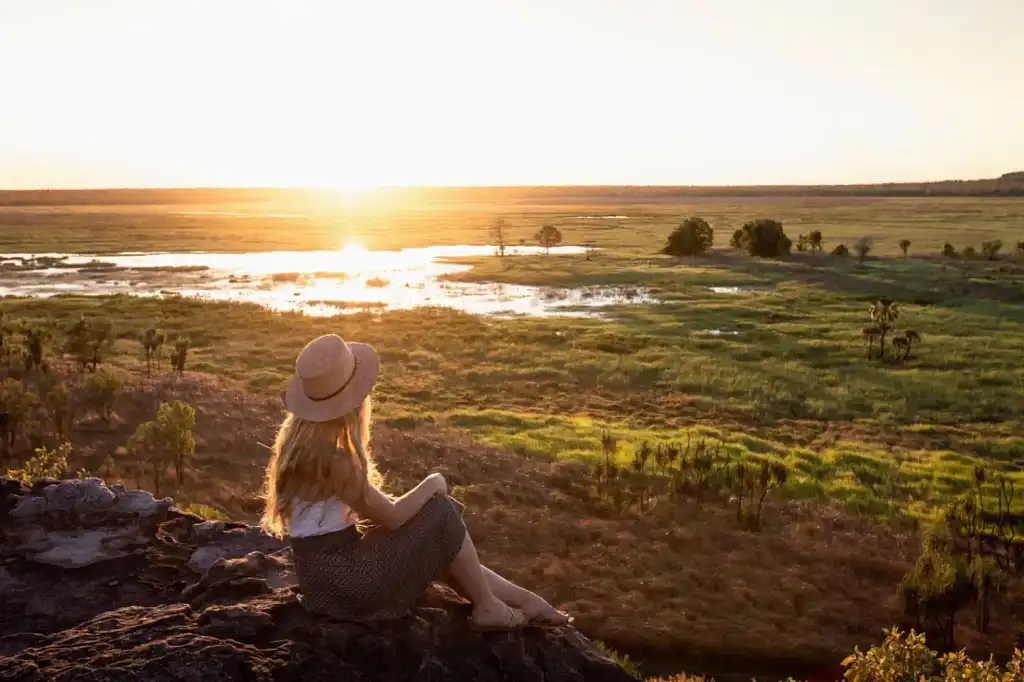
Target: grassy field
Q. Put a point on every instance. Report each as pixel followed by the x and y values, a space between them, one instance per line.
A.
pixel 776 370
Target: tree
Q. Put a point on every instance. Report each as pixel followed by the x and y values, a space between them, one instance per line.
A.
pixel 101 341
pixel 905 341
pixel 949 251
pixel 969 253
pixel 166 439
pixel 817 244
pixel 180 355
pixel 863 247
pixel 498 235
pixel 841 250
pixel 991 248
pixel 765 238
pixel 103 389
pixel 904 246
pixel 692 238
pixel 802 243
pixel 16 406
pixel 1020 248
pixel 883 313
pixel 736 241
pixel 87 342
pixel 34 341
pixel 151 343
pixel 870 334
pixel 548 236
pixel 57 399
pixel 45 463
pixel 175 427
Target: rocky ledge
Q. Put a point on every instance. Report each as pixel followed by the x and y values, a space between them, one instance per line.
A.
pixel 102 583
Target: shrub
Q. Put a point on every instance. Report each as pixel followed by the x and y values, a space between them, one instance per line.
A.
pixel 87 342
pixel 863 247
pixel 816 240
pixel 970 253
pixel 841 250
pixel 949 251
pixel 908 658
pixel 180 355
pixel 15 408
pixel 991 248
pixel 205 511
pixel 44 464
pixel 168 438
pixel 765 238
pixel 736 241
pixel 548 236
pixel 56 398
pixel 904 246
pixel 102 390
pixel 692 238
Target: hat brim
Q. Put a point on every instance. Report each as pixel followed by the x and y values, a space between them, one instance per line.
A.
pixel 349 400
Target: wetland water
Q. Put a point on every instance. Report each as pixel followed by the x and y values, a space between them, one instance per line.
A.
pixel 317 283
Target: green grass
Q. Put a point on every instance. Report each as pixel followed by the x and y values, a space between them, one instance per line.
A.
pixel 793 383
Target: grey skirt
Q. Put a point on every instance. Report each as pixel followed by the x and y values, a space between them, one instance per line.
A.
pixel 378 574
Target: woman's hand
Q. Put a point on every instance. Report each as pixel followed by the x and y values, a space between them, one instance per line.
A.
pixel 438 482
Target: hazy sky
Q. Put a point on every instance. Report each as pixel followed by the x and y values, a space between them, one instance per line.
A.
pixel 105 93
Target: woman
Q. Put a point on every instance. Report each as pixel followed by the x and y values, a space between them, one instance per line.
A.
pixel 321 480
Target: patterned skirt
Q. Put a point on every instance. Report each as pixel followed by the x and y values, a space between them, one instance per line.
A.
pixel 378 574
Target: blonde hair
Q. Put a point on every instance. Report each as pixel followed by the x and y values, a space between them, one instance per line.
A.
pixel 306 457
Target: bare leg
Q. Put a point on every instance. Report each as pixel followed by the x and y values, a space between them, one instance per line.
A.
pixel 471 581
pixel 531 604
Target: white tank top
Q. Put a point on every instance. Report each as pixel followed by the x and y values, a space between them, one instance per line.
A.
pixel 317 518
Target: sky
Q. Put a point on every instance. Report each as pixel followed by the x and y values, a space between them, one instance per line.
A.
pixel 341 93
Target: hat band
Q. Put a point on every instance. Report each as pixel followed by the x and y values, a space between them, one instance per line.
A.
pixel 355 366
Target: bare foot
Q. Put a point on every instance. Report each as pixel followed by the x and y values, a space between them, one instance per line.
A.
pixel 538 611
pixel 496 615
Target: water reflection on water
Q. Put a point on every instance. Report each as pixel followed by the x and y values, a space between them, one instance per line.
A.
pixel 314 282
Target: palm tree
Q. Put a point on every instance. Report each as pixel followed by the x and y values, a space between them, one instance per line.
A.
pixel 883 313
pixel 911 337
pixel 904 246
pixel 870 334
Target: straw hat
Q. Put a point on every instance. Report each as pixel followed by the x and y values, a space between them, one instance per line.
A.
pixel 331 378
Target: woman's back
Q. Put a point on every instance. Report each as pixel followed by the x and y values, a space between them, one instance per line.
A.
pixel 318 518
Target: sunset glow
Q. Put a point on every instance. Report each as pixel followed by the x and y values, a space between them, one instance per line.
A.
pixel 364 94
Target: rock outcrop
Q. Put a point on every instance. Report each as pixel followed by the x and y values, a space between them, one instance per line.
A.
pixel 103 583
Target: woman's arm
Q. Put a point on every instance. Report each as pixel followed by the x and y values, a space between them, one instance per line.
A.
pixel 372 504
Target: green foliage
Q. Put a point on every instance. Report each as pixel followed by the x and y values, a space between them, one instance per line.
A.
pixel 622 660
pixel 991 248
pixel 56 397
pixel 548 236
pixel 884 312
pixel 46 463
pixel 34 341
pixel 164 440
pixel 907 658
pixel 88 341
pixel 765 238
pixel 205 511
pixel 862 247
pixel 841 250
pixel 102 390
pixel 904 246
pixel 692 238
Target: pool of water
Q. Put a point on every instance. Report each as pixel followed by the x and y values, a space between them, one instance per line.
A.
pixel 318 283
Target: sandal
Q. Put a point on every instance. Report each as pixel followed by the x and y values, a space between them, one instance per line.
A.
pixel 517 621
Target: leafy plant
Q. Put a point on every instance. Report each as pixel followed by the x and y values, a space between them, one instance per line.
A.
pixel 548 236
pixel 765 238
pixel 205 511
pixel 45 463
pixel 841 250
pixel 949 251
pixel 692 238
pixel 56 397
pixel 969 253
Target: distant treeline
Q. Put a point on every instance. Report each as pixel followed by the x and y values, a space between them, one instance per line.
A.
pixel 1009 184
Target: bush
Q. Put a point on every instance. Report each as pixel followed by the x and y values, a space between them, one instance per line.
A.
pixel 842 251
pixel 969 253
pixel 816 240
pixel 692 238
pixel 207 512
pixel 45 463
pixel 949 251
pixel 904 246
pixel 991 248
pixel 736 241
pixel 103 389
pixel 765 238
